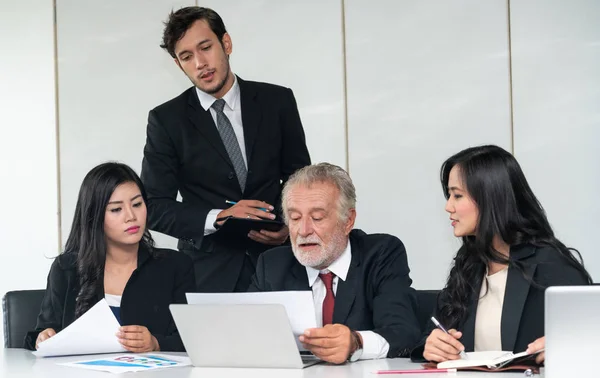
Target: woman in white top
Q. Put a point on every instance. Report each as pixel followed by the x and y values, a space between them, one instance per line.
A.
pixel 494 296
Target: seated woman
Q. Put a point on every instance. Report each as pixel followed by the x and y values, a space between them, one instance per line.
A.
pixel 110 254
pixel 494 296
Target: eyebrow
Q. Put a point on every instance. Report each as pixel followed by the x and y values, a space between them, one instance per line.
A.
pixel 197 45
pixel 132 199
pixel 290 209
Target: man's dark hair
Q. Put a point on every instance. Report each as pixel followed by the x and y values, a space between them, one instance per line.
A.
pixel 179 22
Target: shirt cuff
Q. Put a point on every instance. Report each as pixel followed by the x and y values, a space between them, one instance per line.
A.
pixel 211 217
pixel 374 345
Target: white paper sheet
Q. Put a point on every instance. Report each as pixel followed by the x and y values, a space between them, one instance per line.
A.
pixel 299 305
pixel 131 363
pixel 94 332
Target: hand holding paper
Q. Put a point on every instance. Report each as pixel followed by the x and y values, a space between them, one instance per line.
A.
pixel 538 347
pixel 331 343
pixel 93 332
pixel 137 339
pixel 44 335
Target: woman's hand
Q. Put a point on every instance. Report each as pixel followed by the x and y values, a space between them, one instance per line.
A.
pixel 44 335
pixel 441 346
pixel 536 346
pixel 137 339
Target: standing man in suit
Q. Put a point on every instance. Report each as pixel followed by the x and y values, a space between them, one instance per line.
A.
pixel 224 139
pixel 360 283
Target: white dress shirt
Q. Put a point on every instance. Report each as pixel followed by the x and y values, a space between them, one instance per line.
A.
pixel 233 111
pixel 374 345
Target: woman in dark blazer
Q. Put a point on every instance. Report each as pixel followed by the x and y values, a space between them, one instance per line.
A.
pixel 494 296
pixel 110 254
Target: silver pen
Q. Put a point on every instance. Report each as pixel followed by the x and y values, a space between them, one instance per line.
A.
pixel 462 353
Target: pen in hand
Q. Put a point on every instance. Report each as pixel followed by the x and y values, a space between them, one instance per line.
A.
pixel 235 203
pixel 462 353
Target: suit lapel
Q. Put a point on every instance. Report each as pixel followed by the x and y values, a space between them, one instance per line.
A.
pixel 204 123
pixel 298 280
pixel 468 328
pixel 346 290
pixel 518 287
pixel 251 116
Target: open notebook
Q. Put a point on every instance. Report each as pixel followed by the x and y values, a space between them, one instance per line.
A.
pixel 492 360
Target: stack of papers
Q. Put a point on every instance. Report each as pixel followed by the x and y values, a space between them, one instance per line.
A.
pixel 131 363
pixel 94 332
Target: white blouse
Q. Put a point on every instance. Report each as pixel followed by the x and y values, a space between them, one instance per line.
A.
pixel 488 336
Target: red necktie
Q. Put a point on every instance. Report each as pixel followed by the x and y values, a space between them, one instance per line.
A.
pixel 329 300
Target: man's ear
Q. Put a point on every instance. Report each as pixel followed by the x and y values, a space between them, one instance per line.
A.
pixel 227 44
pixel 350 222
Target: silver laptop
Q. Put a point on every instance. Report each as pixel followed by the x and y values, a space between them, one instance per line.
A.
pixel 572 331
pixel 248 336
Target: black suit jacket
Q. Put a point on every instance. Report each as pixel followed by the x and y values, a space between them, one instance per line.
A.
pixel 522 319
pixel 153 286
pixel 376 295
pixel 185 153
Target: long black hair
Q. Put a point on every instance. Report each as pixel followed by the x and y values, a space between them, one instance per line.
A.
pixel 87 238
pixel 507 208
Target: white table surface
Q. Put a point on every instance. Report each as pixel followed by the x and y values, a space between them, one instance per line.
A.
pixel 21 363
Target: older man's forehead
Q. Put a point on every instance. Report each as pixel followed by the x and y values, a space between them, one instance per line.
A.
pixel 314 188
pixel 314 194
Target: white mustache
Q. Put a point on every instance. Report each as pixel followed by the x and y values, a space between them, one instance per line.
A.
pixel 313 239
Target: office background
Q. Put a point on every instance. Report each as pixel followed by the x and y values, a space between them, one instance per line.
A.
pixel 386 88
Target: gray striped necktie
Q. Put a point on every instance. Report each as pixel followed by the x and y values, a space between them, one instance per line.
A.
pixel 231 143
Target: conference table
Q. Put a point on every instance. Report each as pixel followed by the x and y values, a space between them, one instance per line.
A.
pixel 21 363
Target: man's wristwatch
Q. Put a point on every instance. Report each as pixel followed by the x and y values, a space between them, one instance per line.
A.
pixel 357 347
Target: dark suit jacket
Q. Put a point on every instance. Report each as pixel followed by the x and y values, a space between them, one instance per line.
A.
pixel 523 310
pixel 376 295
pixel 185 153
pixel 153 286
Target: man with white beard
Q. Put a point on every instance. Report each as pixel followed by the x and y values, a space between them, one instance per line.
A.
pixel 360 283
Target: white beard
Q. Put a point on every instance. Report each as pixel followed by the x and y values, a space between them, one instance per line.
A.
pixel 325 254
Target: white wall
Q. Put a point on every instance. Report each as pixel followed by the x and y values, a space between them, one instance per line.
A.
pixel 297 44
pixel 111 72
pixel 422 85
pixel 28 173
pixel 556 93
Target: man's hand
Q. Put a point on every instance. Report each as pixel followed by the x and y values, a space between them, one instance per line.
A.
pixel 441 347
pixel 251 209
pixel 536 346
pixel 270 237
pixel 137 339
pixel 331 343
pixel 44 335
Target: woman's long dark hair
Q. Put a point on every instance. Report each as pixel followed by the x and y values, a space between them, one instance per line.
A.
pixel 87 239
pixel 507 208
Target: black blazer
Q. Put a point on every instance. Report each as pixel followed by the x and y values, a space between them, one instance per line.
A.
pixel 376 295
pixel 522 319
pixel 153 286
pixel 185 153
